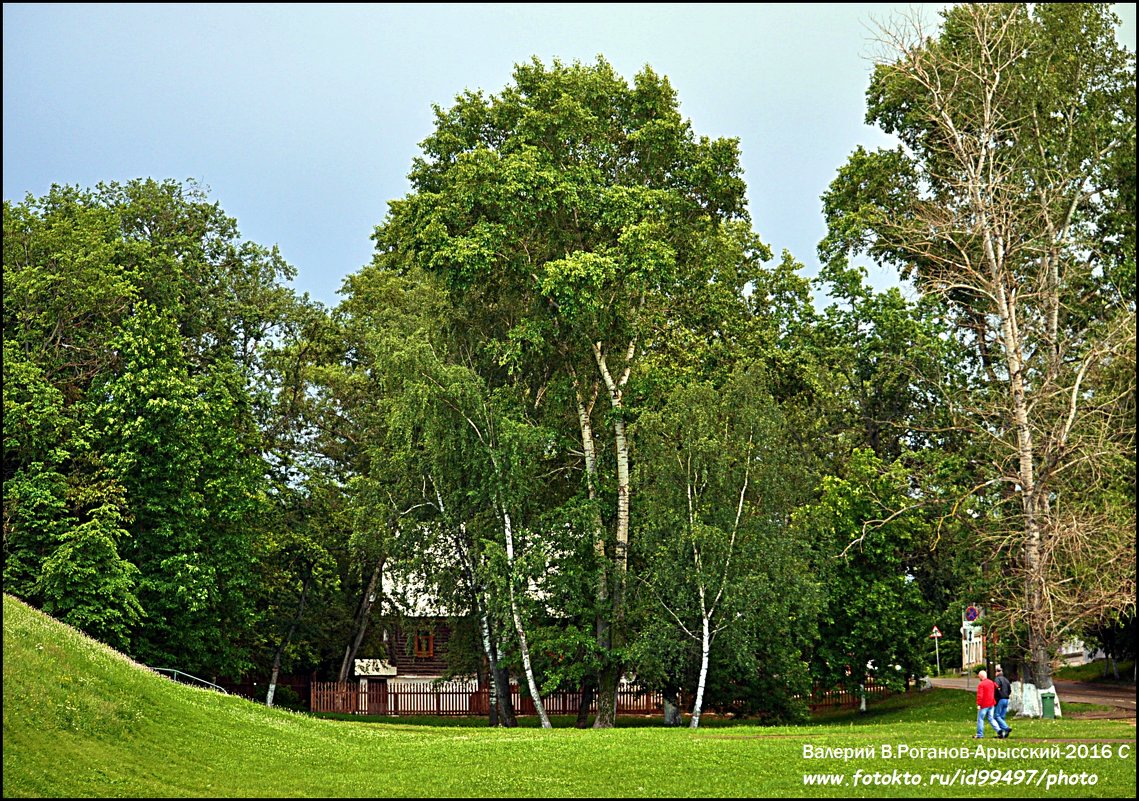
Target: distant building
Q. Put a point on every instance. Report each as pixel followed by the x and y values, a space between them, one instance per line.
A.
pixel 418 654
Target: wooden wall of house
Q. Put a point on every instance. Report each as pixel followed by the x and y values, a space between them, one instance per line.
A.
pixel 403 651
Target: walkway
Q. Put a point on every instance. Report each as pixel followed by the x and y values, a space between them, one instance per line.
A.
pixel 1122 697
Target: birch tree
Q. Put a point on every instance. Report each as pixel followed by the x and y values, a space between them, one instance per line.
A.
pixel 1008 199
pixel 717 554
pixel 451 460
pixel 567 213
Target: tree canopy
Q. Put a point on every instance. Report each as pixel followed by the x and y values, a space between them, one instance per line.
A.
pixel 1004 202
pixel 575 407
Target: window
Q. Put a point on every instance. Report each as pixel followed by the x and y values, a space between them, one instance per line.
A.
pixel 424 644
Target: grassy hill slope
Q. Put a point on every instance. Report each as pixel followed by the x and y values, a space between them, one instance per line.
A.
pixel 82 720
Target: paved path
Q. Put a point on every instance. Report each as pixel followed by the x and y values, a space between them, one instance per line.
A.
pixel 1121 697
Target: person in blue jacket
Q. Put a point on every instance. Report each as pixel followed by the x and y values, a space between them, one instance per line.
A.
pixel 1003 692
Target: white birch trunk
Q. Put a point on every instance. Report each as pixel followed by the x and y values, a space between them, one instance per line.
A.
pixel 589 448
pixel 607 691
pixel 478 593
pixel 705 649
pixel 492 690
pixel 616 389
pixel 523 646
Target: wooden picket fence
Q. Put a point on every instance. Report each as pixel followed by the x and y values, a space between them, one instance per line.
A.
pixel 458 698
pixel 454 698
pixel 837 698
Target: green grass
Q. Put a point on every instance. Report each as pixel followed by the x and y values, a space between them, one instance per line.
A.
pixel 1093 671
pixel 81 720
pixel 941 705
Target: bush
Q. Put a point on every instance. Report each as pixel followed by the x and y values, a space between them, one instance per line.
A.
pixel 286 697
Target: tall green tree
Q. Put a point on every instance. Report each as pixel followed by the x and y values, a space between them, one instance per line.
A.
pixel 1005 201
pixel 186 454
pixel 890 362
pixel 437 450
pixel 297 582
pixel 717 556
pixel 570 214
pixel 65 516
pixel 874 620
pixel 135 320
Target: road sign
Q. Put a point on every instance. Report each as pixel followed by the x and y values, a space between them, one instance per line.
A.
pixel 972 637
pixel 936 633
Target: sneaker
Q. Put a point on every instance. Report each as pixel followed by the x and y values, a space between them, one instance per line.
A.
pixel 978 737
pixel 1008 732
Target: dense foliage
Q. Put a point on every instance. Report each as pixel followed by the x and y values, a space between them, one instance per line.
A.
pixel 1005 203
pixel 575 406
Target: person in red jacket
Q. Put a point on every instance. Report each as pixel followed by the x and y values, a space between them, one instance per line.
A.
pixel 986 701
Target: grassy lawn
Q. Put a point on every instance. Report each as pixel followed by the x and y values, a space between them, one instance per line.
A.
pixel 80 720
pixel 1093 671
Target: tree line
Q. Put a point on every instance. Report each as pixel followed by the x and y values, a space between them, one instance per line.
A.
pixel 576 402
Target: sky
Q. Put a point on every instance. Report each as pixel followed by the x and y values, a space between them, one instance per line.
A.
pixel 303 120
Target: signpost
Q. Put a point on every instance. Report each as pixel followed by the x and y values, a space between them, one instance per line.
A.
pixel 972 638
pixel 936 635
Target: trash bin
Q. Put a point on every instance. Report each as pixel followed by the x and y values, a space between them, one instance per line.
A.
pixel 1048 701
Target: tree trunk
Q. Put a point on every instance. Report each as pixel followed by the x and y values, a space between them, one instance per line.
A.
pixel 491 670
pixel 671 707
pixel 621 552
pixel 500 710
pixel 361 621
pixel 288 638
pixel 539 707
pixel 506 715
pixel 1040 668
pixel 606 699
pixel 273 676
pixel 601 590
pixel 705 649
pixel 587 695
pixel 607 684
pixel 1040 663
pixel 519 630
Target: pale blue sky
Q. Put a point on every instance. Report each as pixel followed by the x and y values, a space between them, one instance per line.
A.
pixel 303 119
